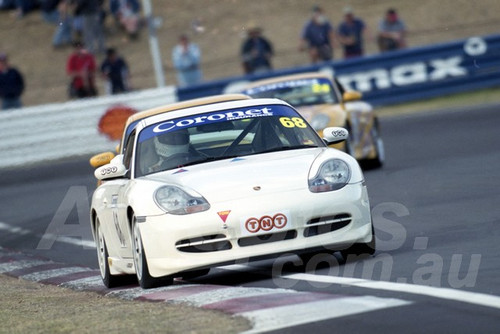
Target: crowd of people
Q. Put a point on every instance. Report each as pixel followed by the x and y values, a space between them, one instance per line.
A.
pixel 80 23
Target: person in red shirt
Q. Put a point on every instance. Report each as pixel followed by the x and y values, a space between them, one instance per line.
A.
pixel 81 68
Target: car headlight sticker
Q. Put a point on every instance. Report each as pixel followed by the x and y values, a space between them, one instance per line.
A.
pixel 333 174
pixel 176 201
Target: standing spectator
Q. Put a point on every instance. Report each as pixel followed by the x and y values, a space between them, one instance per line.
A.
pixel 126 15
pixel 91 13
pixel 63 35
pixel 115 70
pixel 186 57
pixel 392 32
pixel 256 52
pixel 81 67
pixel 11 84
pixel 49 11
pixel 318 37
pixel 351 34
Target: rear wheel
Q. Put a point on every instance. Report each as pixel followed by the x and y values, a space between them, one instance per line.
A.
pixel 146 281
pixel 110 281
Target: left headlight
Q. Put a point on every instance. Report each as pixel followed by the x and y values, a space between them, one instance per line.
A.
pixel 333 174
pixel 177 201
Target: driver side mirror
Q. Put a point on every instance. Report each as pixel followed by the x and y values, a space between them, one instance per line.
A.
pixel 334 135
pixel 114 169
pixel 352 96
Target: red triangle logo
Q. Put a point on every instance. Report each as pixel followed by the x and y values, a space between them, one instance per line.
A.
pixel 223 215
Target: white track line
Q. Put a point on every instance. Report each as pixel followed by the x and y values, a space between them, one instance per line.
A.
pixel 65 239
pixel 294 315
pixel 436 292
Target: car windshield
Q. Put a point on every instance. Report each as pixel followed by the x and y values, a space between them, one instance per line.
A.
pixel 301 92
pixel 221 135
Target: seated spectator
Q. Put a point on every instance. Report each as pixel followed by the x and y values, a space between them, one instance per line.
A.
pixel 115 71
pixel 126 15
pixel 392 32
pixel 256 52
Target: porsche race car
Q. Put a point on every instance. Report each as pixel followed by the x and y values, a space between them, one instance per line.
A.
pixel 208 185
pixel 323 102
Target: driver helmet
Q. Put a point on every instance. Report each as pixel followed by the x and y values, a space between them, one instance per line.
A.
pixel 172 143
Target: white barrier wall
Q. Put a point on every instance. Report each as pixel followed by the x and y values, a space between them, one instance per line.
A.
pixel 53 131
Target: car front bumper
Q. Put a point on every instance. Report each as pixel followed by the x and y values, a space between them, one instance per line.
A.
pixel 268 224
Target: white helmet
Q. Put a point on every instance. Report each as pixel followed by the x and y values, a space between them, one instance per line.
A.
pixel 172 143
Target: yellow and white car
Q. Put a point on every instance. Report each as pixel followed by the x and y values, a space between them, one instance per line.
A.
pixel 323 102
pixel 212 184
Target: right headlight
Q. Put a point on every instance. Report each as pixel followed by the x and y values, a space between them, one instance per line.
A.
pixel 333 174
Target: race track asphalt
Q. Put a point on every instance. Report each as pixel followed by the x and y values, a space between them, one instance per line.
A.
pixel 436 210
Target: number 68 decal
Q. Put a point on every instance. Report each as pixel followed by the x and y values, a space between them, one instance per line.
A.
pixel 292 122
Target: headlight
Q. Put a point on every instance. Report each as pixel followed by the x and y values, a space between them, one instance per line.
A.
pixel 177 201
pixel 320 121
pixel 332 175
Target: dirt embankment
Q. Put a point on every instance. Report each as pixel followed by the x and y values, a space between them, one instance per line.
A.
pixel 28 40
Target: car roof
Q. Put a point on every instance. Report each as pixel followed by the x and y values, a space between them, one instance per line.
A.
pixel 135 118
pixel 200 109
pixel 308 75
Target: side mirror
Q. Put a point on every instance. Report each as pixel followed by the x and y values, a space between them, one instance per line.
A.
pixel 352 96
pixel 101 159
pixel 112 170
pixel 334 135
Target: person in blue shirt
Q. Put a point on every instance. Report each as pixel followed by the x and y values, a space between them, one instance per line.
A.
pixel 186 57
pixel 351 34
pixel 11 84
pixel 256 52
pixel 318 37
pixel 115 70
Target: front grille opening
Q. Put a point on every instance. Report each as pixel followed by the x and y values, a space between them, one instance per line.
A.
pixel 204 244
pixel 267 238
pixel 322 225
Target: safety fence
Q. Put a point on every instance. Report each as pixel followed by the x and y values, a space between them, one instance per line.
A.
pixel 47 132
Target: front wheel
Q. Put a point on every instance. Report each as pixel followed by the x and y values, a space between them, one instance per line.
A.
pixel 110 281
pixel 146 281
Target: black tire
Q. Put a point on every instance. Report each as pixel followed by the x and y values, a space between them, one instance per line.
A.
pixel 110 281
pixel 361 248
pixel 146 281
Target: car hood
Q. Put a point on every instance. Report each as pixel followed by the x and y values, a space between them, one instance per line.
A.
pixel 240 177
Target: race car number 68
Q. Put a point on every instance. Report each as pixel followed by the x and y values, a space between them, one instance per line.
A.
pixel 292 122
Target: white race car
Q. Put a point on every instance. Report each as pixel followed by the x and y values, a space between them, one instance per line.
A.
pixel 209 185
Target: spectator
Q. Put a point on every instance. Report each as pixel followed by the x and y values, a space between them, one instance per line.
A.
pixel 318 37
pixel 11 84
pixel 351 34
pixel 392 32
pixel 256 52
pixel 64 31
pixel 115 70
pixel 23 7
pixel 49 11
pixel 91 13
pixel 81 67
pixel 126 15
pixel 186 57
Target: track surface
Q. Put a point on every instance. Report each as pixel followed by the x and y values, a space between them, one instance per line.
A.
pixel 436 212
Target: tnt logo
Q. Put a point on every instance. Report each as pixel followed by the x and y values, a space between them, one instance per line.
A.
pixel 266 223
